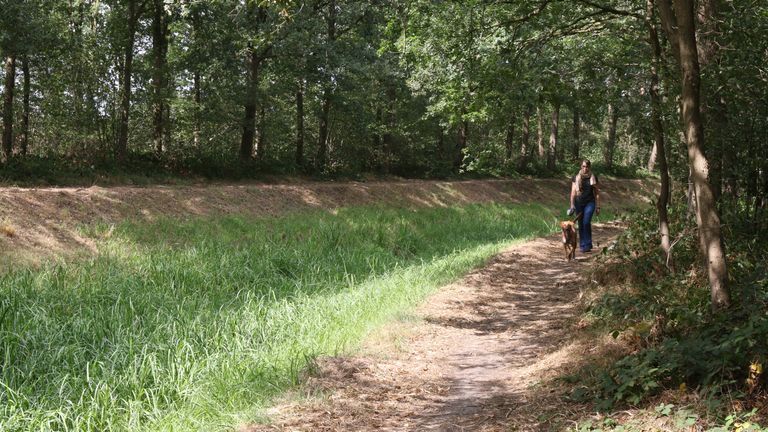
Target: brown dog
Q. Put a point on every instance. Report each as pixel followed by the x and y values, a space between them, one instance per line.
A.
pixel 569 238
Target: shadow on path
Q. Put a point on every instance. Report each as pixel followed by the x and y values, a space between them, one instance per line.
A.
pixel 475 363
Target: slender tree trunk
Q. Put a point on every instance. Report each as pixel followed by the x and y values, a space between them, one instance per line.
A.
pixel 651 164
pixel 167 129
pixel 441 141
pixel 197 108
pixel 576 148
pixel 713 107
pixel 322 139
pixel 258 15
pixel 196 83
pixel 610 146
pixel 540 131
pixel 752 183
pixel 125 95
pixel 377 137
pixel 249 120
pixel 300 124
pixel 160 53
pixel 552 153
pixel 669 24
pixel 76 68
pixel 10 82
pixel 525 139
pixel 389 121
pixel 261 133
pixel 509 141
pixel 26 111
pixel 461 144
pixel 763 201
pixel 659 146
pixel 706 212
pixel 325 111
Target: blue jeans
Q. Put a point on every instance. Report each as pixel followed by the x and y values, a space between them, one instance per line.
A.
pixel 585 225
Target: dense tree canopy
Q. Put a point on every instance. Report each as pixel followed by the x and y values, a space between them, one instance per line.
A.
pixel 423 88
pixel 409 87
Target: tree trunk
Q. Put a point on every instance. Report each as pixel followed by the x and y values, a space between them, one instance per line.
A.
pixel 706 212
pixel 249 120
pixel 651 164
pixel 121 149
pixel 196 83
pixel 26 111
pixel 300 124
pixel 10 82
pixel 261 133
pixel 76 67
pixel 713 106
pixel 659 146
pixel 552 153
pixel 610 145
pixel 322 139
pixel 325 111
pixel 258 15
pixel 540 130
pixel 669 24
pixel 197 109
pixel 440 141
pixel 160 54
pixel 509 141
pixel 389 121
pixel 525 139
pixel 576 148
pixel 461 144
pixel 167 129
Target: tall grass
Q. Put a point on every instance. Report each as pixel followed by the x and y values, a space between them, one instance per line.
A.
pixel 195 325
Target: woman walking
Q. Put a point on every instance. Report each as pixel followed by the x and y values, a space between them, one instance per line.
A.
pixel 585 201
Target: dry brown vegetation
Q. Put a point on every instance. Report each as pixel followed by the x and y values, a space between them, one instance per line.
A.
pixel 43 223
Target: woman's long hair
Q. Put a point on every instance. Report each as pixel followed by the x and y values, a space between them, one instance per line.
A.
pixel 580 175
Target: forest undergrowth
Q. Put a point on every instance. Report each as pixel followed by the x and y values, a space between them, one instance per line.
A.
pixel 683 361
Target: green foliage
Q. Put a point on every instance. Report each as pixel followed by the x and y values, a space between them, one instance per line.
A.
pixel 400 82
pixel 667 315
pixel 195 325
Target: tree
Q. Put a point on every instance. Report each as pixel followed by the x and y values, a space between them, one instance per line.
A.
pixel 160 20
pixel 257 51
pixel 134 9
pixel 681 30
pixel 552 150
pixel 10 82
pixel 659 144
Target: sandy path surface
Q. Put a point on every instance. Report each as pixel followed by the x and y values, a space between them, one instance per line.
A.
pixel 480 355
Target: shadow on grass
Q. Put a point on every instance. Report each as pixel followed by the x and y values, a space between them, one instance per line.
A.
pixel 219 314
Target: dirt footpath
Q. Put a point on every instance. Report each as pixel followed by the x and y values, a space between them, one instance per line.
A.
pixel 478 356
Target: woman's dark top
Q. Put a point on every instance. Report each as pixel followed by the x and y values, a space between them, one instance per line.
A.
pixel 587 193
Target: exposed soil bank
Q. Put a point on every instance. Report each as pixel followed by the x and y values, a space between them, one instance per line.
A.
pixel 40 223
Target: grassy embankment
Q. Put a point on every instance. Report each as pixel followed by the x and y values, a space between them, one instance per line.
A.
pixel 196 325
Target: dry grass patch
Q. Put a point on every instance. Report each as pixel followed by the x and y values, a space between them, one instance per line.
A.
pixel 7 229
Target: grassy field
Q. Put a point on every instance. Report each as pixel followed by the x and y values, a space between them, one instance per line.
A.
pixel 195 325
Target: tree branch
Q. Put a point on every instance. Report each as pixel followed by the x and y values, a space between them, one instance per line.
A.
pixel 611 10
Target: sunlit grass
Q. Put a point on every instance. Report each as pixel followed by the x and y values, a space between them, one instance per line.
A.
pixel 195 325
